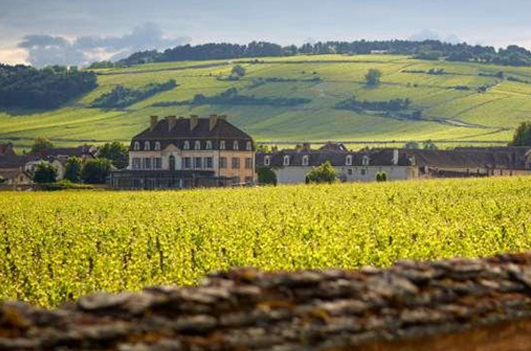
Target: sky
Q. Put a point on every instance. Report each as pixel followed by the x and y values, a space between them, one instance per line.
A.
pixel 76 32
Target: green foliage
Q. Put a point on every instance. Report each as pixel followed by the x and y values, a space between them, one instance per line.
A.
pixel 41 144
pixel 117 152
pixel 266 175
pixel 522 135
pixel 412 145
pixel 372 78
pixel 73 169
pixel 324 173
pixel 353 104
pixel 381 177
pixel 238 71
pixel 45 173
pixel 121 96
pixel 96 171
pixel 429 145
pixel 50 87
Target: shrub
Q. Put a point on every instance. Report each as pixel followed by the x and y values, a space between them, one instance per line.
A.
pixel 324 173
pixel 372 78
pixel 73 169
pixel 266 175
pixel 45 173
pixel 381 177
pixel 96 171
pixel 41 144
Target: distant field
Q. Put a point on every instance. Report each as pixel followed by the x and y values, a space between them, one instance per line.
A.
pixel 450 114
pixel 59 246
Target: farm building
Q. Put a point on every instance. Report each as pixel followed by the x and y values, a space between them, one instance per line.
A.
pixel 292 166
pixel 188 152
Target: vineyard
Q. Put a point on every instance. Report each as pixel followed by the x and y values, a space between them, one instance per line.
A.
pixel 55 247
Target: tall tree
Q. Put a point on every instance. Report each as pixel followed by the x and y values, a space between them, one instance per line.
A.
pixel 96 171
pixel 522 135
pixel 73 169
pixel 372 78
pixel 41 144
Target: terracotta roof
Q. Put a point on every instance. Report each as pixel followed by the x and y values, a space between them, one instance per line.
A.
pixel 411 306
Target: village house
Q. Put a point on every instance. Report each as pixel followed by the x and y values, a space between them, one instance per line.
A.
pixel 188 152
pixel 12 171
pixel 6 149
pixel 292 166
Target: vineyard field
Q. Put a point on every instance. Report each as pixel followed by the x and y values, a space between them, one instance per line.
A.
pixel 55 247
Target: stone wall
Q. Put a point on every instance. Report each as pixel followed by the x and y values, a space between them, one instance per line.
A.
pixel 444 305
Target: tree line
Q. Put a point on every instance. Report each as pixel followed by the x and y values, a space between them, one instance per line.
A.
pixel 121 96
pixel 50 87
pixel 425 50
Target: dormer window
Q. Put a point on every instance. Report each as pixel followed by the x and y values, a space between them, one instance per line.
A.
pixel 305 160
pixel 222 145
pixel 157 146
pixel 348 161
pixel 249 146
pixel 186 145
pixel 365 161
pixel 136 146
pixel 197 145
pixel 235 145
pixel 147 146
pixel 286 160
pixel 208 145
pixel 267 160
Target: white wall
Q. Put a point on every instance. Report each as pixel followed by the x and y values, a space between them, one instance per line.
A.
pixel 297 174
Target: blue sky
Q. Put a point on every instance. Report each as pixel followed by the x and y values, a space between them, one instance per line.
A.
pixel 110 28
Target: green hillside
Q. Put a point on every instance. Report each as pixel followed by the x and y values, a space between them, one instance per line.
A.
pixel 452 108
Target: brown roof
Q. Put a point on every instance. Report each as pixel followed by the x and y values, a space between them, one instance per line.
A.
pixel 13 161
pixel 79 151
pixel 181 132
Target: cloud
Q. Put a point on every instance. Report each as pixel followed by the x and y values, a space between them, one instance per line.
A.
pixel 46 50
pixel 428 34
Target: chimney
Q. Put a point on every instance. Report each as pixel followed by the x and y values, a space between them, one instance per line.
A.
pixel 154 121
pixel 212 121
pixel 193 121
pixel 172 120
pixel 395 157
pixel 306 146
pixel 222 117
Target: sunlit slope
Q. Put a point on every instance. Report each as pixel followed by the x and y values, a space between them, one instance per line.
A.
pixel 449 113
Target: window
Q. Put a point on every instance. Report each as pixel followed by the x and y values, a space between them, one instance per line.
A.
pixel 208 162
pixel 235 163
pixel 137 163
pixel 362 172
pixel 248 179
pixel 286 161
pixel 222 162
pixel 349 171
pixel 208 145
pixel 136 147
pixel 198 162
pixel 186 145
pixel 147 163
pixel 147 146
pixel 305 160
pixel 158 162
pixel 348 161
pixel 267 160
pixel 157 146
pixel 248 163
pixel 222 145
pixel 249 146
pixel 172 163
pixel 197 145
pixel 187 164
pixel 235 145
pixel 365 161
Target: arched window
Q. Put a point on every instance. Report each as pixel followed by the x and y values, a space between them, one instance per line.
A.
pixel 222 145
pixel 157 145
pixel 348 161
pixel 365 161
pixel 286 160
pixel 267 160
pixel 186 145
pixel 235 145
pixel 136 147
pixel 209 145
pixel 197 145
pixel 147 146
pixel 172 163
pixel 305 160
pixel 249 146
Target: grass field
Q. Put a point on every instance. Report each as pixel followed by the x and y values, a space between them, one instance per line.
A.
pixel 451 114
pixel 58 246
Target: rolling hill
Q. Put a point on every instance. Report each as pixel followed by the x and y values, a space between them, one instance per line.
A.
pixel 465 102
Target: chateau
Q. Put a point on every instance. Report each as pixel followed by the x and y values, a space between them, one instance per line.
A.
pixel 188 152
